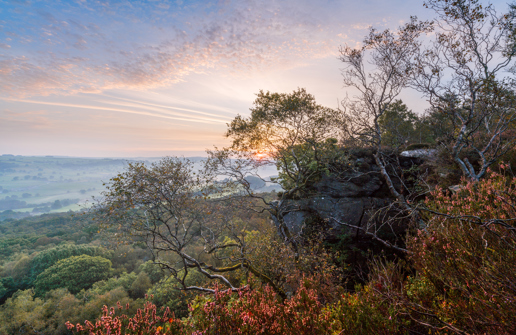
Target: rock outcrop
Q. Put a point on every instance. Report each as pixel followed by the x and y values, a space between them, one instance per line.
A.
pixel 351 197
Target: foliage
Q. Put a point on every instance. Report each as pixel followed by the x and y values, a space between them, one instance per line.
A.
pixel 24 313
pixel 305 164
pixel 459 275
pixel 74 273
pixel 140 285
pixel 400 126
pixel 91 303
pixel 21 270
pixel 259 312
pixel 20 235
pixel 11 245
pixel 292 131
pixel 127 257
pixel 49 257
pixel 366 312
pixel 145 321
pixel 3 289
pixel 287 266
pixel 280 121
pixel 465 255
pixel 154 272
pixel 168 293
pixel 125 281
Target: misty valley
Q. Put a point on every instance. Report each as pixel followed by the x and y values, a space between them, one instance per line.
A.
pixel 48 184
pixel 35 185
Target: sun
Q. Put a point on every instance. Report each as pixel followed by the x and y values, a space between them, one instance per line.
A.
pixel 260 155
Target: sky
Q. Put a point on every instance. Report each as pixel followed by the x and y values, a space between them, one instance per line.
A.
pixel 155 78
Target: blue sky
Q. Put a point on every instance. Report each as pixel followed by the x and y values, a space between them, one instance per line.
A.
pixel 155 78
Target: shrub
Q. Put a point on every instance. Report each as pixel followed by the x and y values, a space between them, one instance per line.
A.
pixel 258 311
pixel 145 321
pixel 465 258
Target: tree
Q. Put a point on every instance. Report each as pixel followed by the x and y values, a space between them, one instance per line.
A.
pixel 3 290
pixel 140 285
pixel 56 205
pixel 47 258
pixel 305 164
pixel 460 73
pixel 401 127
pixel 291 131
pixel 171 208
pixel 378 85
pixel 280 121
pixel 74 273
pixel 390 55
pixel 200 221
pixel 22 314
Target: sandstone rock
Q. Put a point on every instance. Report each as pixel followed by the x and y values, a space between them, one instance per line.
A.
pixel 354 211
pixel 356 185
pixel 351 197
pixel 419 153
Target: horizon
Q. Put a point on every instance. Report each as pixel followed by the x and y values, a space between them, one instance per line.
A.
pixel 98 157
